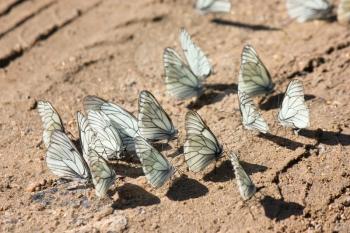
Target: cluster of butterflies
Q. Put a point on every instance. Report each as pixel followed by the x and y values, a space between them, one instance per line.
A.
pixel 300 10
pixel 185 80
pixel 110 132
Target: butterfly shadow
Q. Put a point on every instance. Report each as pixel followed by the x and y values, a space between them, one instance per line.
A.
pixel 184 188
pixel 177 152
pixel 281 141
pixel 161 146
pixel 279 210
pixel 214 93
pixel 224 172
pixel 326 137
pixel 237 24
pixel 132 196
pixel 274 101
pixel 128 170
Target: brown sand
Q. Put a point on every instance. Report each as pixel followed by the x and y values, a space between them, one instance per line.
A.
pixel 63 50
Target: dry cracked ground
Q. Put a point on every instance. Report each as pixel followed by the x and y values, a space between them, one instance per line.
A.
pixel 63 50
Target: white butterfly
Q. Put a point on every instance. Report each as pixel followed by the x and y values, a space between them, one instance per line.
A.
pixel 206 6
pixel 180 81
pixel 110 145
pixel 343 12
pixel 87 136
pixel 154 123
pixel 294 112
pixel 102 175
pixel 121 119
pixel 195 57
pixel 156 167
pixel 201 146
pixel 51 120
pixel 245 185
pixel 254 79
pixel 305 10
pixel 251 118
pixel 64 159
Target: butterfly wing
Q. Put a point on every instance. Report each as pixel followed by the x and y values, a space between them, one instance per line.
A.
pixel 122 120
pixel 254 79
pixel 110 145
pixel 206 6
pixel 245 185
pixel 343 12
pixel 294 112
pixel 154 123
pixel 102 175
pixel 50 119
pixel 201 146
pixel 195 57
pixel 64 160
pixel 180 82
pixel 305 10
pixel 86 135
pixel 251 118
pixel 156 167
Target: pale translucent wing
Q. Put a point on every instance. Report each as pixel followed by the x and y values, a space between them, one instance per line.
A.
pixel 122 120
pixel 206 6
pixel 64 160
pixel 195 57
pixel 154 123
pixel 254 79
pixel 180 82
pixel 86 135
pixel 156 167
pixel 110 145
pixel 343 12
pixel 245 185
pixel 251 118
pixel 304 10
pixel 102 175
pixel 294 112
pixel 51 120
pixel 201 146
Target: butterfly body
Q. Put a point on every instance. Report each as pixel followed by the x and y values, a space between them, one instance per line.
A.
pixel 294 112
pixel 254 78
pixel 201 146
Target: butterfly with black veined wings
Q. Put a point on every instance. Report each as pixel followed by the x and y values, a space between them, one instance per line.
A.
pixel 156 167
pixel 343 12
pixel 305 10
pixel 50 119
pixel 102 175
pixel 121 119
pixel 154 123
pixel 201 146
pixel 245 185
pixel 87 135
pixel 180 81
pixel 110 145
pixel 206 6
pixel 195 57
pixel 254 78
pixel 251 118
pixel 294 113
pixel 64 159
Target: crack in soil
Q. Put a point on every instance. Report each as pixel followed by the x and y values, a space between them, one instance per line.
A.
pixel 332 199
pixel 10 7
pixel 26 18
pixel 306 154
pixel 15 54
